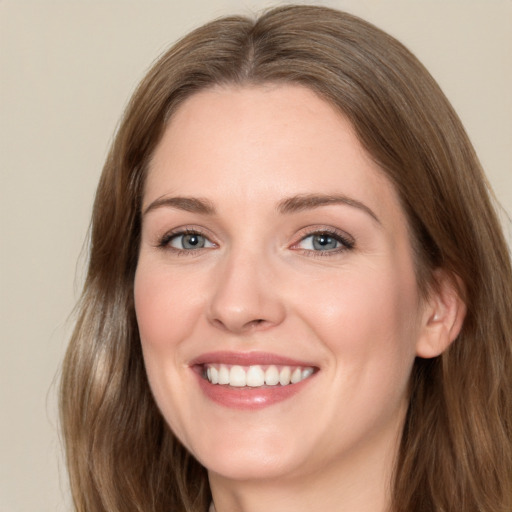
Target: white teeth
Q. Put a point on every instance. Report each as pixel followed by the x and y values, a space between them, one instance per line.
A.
pixel 272 376
pixel 284 376
pixel 214 375
pixel 255 376
pixel 307 372
pixel 223 375
pixel 296 376
pixel 237 377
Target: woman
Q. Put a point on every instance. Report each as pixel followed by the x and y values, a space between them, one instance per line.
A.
pixel 298 293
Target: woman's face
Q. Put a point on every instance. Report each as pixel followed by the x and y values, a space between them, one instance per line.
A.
pixel 273 248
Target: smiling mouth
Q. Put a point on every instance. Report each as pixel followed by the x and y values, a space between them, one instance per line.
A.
pixel 255 376
pixel 252 380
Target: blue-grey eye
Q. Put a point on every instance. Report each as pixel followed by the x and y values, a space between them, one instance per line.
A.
pixel 324 242
pixel 190 241
pixel 321 242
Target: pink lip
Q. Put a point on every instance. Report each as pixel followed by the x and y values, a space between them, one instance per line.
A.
pixel 247 359
pixel 247 398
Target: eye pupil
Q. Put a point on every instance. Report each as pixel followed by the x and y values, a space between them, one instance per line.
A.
pixel 323 242
pixel 193 241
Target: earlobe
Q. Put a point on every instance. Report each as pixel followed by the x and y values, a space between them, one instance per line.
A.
pixel 443 316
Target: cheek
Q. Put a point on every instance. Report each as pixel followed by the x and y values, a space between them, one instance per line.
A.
pixel 368 320
pixel 165 316
pixel 153 307
pixel 165 307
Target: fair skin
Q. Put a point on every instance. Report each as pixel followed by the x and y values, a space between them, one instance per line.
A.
pixel 236 268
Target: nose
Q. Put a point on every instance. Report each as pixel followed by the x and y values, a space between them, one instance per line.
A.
pixel 246 296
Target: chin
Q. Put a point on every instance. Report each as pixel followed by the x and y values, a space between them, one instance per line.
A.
pixel 249 458
pixel 253 467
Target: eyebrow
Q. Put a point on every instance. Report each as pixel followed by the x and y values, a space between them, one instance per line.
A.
pixel 188 204
pixel 286 206
pixel 309 201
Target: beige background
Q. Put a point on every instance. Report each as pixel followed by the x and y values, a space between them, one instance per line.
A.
pixel 66 70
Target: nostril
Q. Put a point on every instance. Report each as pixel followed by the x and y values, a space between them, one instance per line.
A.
pixel 218 323
pixel 247 326
pixel 255 324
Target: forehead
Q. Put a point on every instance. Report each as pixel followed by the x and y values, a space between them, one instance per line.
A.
pixel 260 143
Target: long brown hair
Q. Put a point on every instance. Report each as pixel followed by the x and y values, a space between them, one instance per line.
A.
pixel 456 453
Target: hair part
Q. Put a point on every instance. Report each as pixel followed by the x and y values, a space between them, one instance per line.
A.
pixel 456 452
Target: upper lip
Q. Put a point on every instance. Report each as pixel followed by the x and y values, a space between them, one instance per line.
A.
pixel 247 359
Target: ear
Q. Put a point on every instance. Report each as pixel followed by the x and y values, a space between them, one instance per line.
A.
pixel 443 316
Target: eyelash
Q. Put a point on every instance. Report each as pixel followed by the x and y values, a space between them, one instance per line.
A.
pixel 165 241
pixel 347 243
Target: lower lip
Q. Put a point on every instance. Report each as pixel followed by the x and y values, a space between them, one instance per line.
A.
pixel 250 398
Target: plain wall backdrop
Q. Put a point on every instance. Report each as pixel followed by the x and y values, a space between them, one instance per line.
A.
pixel 67 68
